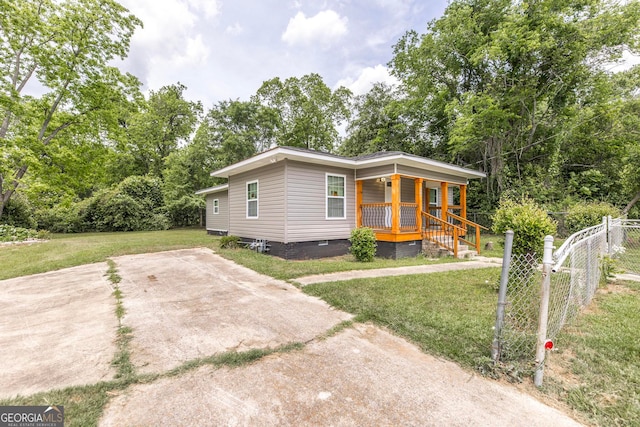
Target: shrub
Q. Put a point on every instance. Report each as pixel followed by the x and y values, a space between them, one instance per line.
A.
pixel 529 222
pixel 63 219
pixel 363 244
pixel 19 212
pixel 9 233
pixel 229 242
pixel 185 211
pixel 135 204
pixel 583 215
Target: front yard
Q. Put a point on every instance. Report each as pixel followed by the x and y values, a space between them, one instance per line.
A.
pixel 595 371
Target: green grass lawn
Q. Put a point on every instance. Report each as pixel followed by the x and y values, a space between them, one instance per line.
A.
pixel 286 270
pixel 597 368
pixel 447 314
pixel 69 250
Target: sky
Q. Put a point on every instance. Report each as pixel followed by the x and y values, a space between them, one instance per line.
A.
pixel 226 49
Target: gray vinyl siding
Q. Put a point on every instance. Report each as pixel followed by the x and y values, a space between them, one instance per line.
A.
pixel 306 203
pixel 373 191
pixel 375 172
pixel 436 176
pixel 407 190
pixel 270 223
pixel 219 222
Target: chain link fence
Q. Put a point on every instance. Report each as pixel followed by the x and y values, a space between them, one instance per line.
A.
pixel 575 271
pixel 624 245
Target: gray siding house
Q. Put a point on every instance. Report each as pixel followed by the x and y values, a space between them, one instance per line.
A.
pixel 305 203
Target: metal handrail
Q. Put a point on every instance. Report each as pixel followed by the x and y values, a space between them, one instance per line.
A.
pixel 446 227
pixel 466 223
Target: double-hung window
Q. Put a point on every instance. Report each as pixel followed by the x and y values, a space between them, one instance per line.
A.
pixel 252 199
pixel 336 185
pixel 216 206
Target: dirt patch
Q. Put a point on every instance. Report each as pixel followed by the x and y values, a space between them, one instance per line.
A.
pixel 360 376
pixel 558 366
pixel 193 303
pixel 616 288
pixel 58 330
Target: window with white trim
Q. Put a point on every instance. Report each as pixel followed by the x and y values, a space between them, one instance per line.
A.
pixel 216 206
pixel 336 200
pixel 252 199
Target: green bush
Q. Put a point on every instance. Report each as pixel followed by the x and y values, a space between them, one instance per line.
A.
pixel 229 242
pixel 19 212
pixel 529 222
pixel 135 204
pixel 10 233
pixel 363 244
pixel 64 219
pixel 145 189
pixel 583 215
pixel 185 211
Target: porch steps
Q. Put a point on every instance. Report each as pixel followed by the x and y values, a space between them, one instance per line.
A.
pixel 437 248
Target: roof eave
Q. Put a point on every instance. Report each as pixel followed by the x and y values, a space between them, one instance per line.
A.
pixel 280 153
pixel 416 161
pixel 211 190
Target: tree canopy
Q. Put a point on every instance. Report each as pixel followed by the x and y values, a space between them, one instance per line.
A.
pixel 494 82
pixel 524 91
pixel 66 47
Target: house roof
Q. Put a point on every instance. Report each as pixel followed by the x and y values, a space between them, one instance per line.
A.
pixel 211 190
pixel 277 154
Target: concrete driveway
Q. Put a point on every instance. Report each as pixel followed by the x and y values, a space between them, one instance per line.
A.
pixel 187 304
pixel 59 329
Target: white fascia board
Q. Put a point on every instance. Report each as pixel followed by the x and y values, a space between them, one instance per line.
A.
pixel 422 163
pixel 216 189
pixel 277 154
pixel 280 153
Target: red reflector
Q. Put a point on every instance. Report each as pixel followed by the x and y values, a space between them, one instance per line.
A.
pixel 548 344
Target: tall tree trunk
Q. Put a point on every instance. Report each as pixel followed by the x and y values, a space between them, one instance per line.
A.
pixel 6 195
pixel 631 203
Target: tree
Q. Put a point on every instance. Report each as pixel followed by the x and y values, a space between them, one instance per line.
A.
pixel 230 132
pixel 495 81
pixel 377 123
pixel 165 122
pixel 309 112
pixel 236 130
pixel 66 47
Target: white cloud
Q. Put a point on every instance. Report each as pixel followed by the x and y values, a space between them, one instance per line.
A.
pixel 195 52
pixel 324 28
pixel 210 7
pixel 170 41
pixel 627 62
pixel 366 79
pixel 235 29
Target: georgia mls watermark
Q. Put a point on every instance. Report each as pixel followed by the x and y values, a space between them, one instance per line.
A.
pixel 31 416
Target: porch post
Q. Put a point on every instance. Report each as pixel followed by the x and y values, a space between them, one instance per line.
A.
pixel 418 198
pixel 395 204
pixel 358 204
pixel 427 199
pixel 444 193
pixel 463 201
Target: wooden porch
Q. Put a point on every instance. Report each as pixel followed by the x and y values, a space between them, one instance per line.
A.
pixel 444 224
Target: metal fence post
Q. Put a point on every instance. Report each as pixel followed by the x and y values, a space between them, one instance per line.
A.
pixel 607 226
pixel 502 295
pixel 547 265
